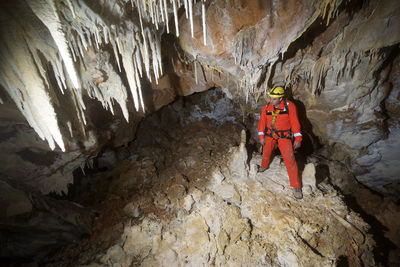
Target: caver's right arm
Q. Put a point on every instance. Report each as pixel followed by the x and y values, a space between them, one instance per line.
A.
pixel 262 124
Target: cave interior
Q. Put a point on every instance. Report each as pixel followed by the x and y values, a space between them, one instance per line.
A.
pixel 128 132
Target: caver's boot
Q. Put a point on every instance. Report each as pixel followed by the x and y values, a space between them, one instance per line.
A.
pixel 261 169
pixel 297 193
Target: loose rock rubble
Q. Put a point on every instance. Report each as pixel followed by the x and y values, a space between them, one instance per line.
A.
pixel 196 199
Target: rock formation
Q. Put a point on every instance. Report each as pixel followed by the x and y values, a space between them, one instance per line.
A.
pixel 197 202
pixel 77 77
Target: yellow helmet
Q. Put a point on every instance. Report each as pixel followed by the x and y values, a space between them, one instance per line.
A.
pixel 277 92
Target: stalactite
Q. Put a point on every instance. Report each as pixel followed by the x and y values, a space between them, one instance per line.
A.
pixel 97 33
pixel 176 18
pixel 96 41
pixel 82 166
pixel 166 15
pixel 69 125
pixel 191 17
pixel 203 15
pixel 80 98
pixel 145 56
pixel 130 73
pixel 140 87
pixel 83 40
pixel 105 32
pixel 71 7
pixel 153 55
pixel 139 61
pixel 59 83
pixel 109 103
pixel 23 81
pixel 157 16
pixel 119 45
pixel 75 47
pixel 97 93
pixel 139 8
pixel 72 51
pixel 318 75
pixel 114 46
pixel 47 13
pixel 88 37
pixel 73 39
pixel 333 7
pixel 152 12
pixel 185 5
pixel 162 11
pixel 37 61
pixel 158 50
pixel 57 66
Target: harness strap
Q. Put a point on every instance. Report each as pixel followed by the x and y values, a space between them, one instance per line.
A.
pixel 278 133
pixel 285 111
pixel 274 115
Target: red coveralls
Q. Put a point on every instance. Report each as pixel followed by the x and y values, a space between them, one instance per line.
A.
pixel 285 120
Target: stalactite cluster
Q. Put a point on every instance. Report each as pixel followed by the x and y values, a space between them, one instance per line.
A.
pixel 254 81
pixel 73 27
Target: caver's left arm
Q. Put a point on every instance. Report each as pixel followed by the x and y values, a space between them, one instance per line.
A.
pixel 294 122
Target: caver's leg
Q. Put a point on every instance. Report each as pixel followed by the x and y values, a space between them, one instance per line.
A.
pixel 286 148
pixel 267 151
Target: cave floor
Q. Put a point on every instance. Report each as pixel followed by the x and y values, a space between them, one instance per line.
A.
pixel 190 197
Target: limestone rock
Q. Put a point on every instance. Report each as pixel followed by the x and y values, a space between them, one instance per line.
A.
pixel 115 255
pixel 308 178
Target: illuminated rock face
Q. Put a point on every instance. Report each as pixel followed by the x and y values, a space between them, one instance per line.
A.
pixel 344 72
pixel 339 59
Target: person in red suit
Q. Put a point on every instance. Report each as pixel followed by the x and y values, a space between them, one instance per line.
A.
pixel 279 124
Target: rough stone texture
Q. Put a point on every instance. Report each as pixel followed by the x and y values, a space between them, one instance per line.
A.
pixel 339 59
pixel 245 35
pixel 344 74
pixel 202 203
pixel 379 165
pixel 263 225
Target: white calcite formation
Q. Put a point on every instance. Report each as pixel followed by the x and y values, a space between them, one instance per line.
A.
pixel 47 35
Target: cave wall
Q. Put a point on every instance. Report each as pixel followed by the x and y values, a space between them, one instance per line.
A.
pixel 77 77
pixel 338 59
pixel 342 68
